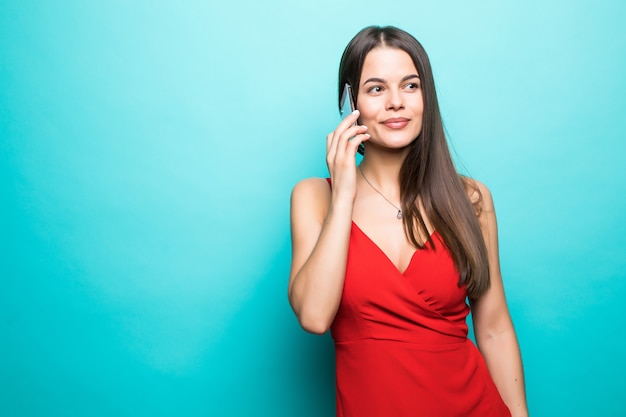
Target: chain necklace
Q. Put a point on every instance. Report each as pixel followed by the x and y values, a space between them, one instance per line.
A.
pixel 399 215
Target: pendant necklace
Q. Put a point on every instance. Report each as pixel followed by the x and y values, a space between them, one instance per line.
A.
pixel 399 215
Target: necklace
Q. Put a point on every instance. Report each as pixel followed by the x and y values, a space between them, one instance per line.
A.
pixel 399 215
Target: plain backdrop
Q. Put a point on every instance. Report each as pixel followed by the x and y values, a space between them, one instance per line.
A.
pixel 147 154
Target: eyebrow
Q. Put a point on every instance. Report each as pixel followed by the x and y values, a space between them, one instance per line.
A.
pixel 381 80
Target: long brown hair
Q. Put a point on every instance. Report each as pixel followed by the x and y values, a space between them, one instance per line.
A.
pixel 428 174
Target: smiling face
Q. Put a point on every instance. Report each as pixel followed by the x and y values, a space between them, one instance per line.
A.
pixel 390 98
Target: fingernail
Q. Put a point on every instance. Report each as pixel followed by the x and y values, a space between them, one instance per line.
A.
pixel 355 112
pixel 364 127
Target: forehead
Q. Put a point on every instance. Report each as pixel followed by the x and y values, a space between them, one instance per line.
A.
pixel 387 63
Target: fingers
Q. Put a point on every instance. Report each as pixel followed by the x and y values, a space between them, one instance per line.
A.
pixel 346 136
pixel 349 121
pixel 354 134
pixel 350 146
pixel 342 148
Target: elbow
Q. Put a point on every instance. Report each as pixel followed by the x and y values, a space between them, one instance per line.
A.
pixel 312 320
pixel 314 326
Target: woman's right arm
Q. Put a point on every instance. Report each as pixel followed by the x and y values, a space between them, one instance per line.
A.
pixel 321 220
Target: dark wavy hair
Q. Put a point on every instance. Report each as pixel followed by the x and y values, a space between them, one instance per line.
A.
pixel 428 172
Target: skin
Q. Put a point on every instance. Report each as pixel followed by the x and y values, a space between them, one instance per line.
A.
pixel 390 112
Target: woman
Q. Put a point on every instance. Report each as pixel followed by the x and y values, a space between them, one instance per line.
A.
pixel 386 253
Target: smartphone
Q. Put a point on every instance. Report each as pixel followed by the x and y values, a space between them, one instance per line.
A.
pixel 346 103
pixel 346 106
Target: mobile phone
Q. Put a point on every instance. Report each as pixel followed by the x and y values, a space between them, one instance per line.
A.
pixel 346 106
pixel 346 103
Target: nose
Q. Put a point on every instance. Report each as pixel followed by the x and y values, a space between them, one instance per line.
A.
pixel 395 100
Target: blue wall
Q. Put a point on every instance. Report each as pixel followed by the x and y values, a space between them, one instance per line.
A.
pixel 147 153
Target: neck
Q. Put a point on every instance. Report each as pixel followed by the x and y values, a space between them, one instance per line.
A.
pixel 383 168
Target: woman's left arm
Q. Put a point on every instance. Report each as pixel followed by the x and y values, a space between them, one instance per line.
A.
pixel 493 328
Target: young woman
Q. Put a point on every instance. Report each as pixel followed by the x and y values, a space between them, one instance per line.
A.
pixel 386 253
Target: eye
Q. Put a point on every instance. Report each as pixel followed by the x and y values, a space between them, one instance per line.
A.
pixel 412 86
pixel 377 89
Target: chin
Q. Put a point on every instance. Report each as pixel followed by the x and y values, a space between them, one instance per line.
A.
pixel 397 143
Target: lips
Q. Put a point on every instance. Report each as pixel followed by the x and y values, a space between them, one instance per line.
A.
pixel 396 122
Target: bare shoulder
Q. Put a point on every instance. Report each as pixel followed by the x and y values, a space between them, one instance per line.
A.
pixel 479 195
pixel 311 189
pixel 311 197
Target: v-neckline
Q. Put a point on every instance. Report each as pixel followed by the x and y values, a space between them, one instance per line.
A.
pixel 432 236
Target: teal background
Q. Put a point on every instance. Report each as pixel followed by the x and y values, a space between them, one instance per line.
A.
pixel 147 154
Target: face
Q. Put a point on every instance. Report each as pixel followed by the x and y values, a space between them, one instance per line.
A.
pixel 390 98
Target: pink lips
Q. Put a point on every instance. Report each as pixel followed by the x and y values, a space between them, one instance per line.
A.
pixel 396 122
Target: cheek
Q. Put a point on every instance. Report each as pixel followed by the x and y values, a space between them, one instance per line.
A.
pixel 418 104
pixel 368 110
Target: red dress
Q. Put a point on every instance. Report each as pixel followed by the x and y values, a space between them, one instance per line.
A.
pixel 401 339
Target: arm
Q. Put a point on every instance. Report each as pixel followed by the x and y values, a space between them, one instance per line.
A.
pixel 493 328
pixel 320 230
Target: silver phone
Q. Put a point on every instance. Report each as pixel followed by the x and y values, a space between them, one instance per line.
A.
pixel 346 106
pixel 346 103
